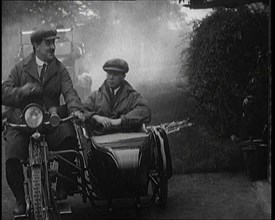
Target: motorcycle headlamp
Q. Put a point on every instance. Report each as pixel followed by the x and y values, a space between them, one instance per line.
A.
pixel 33 116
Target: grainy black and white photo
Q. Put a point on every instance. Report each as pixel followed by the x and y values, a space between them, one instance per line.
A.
pixel 136 109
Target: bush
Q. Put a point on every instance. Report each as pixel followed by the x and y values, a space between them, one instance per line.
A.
pixel 227 61
pixel 193 149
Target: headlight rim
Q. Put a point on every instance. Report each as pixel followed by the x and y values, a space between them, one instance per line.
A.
pixel 36 106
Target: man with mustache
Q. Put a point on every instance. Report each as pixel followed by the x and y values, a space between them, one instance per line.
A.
pixel 116 104
pixel 39 78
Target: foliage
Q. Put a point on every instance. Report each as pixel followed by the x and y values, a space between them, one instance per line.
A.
pixel 227 61
pixel 192 149
pixel 78 12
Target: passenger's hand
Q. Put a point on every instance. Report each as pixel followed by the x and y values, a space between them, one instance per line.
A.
pixel 79 115
pixel 104 121
pixel 116 122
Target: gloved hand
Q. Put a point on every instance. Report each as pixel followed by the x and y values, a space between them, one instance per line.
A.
pixel 31 89
pixel 79 115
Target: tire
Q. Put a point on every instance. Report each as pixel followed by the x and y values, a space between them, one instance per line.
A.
pixel 54 214
pixel 37 199
pixel 162 193
pixel 162 181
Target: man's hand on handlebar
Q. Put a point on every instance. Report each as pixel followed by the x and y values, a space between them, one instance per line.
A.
pixel 79 115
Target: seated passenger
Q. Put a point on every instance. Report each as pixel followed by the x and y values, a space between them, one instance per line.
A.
pixel 116 104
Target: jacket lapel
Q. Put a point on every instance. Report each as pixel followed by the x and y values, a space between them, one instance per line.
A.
pixel 104 91
pixel 51 70
pixel 30 67
pixel 126 89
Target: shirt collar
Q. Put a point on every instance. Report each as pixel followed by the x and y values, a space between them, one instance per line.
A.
pixel 115 90
pixel 39 62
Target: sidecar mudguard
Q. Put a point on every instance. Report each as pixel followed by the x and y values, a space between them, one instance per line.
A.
pixel 121 163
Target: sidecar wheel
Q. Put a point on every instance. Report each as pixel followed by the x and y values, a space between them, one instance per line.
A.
pixel 161 180
pixel 161 196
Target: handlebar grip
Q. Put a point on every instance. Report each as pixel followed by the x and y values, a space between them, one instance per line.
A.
pixel 54 119
pixel 15 125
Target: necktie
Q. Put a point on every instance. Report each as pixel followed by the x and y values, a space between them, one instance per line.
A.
pixel 42 74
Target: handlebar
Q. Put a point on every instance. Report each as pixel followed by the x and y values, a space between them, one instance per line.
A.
pixel 14 125
pixel 6 123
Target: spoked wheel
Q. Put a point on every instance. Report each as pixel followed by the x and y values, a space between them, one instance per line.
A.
pixel 50 205
pixel 160 183
pixel 161 196
pixel 159 186
pixel 54 212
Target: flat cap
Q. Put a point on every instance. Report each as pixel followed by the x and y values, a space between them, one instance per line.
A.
pixel 43 33
pixel 116 64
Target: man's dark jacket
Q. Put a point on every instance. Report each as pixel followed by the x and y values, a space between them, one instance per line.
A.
pixel 128 105
pixel 47 93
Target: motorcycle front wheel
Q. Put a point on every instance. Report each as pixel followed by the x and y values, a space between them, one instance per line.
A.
pixel 37 199
pixel 44 206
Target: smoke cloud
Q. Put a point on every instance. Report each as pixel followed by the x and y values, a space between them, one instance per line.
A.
pixel 147 34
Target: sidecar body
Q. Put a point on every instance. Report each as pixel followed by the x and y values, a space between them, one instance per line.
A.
pixel 121 162
pixel 130 165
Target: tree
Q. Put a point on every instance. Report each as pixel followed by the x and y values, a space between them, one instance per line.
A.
pixel 76 12
pixel 227 61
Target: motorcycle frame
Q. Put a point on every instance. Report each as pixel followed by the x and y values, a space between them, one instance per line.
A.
pixel 87 181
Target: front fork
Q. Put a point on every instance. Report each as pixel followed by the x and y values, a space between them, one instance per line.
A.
pixel 38 157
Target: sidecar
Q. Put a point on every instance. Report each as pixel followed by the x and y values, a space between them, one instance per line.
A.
pixel 130 165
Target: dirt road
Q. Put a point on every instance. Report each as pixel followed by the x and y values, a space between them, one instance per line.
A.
pixel 193 196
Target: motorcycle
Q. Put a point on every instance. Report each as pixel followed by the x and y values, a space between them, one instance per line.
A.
pixel 107 167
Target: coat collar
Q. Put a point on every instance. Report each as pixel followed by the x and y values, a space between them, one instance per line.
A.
pixel 31 67
pixel 126 89
pixel 51 70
